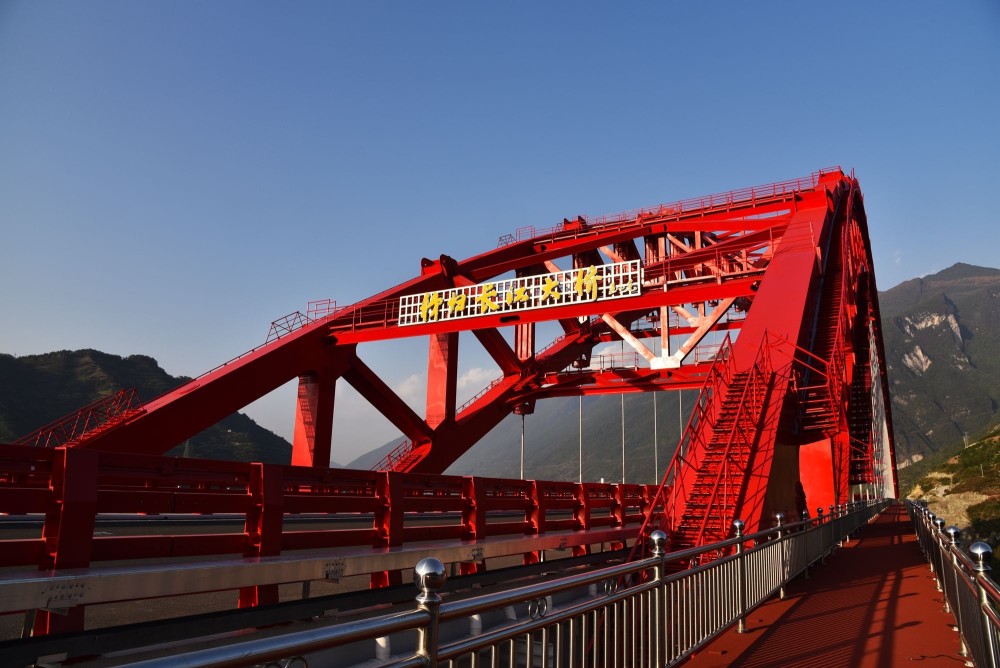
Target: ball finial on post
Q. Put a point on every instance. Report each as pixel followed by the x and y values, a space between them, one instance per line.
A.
pixel 659 540
pixel 429 576
pixel 982 553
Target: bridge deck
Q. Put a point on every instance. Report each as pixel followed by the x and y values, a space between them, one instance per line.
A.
pixel 874 603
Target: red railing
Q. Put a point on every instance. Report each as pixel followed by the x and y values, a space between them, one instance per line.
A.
pixel 71 487
pixel 722 200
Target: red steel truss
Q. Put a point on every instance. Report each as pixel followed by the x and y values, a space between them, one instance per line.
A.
pixel 794 411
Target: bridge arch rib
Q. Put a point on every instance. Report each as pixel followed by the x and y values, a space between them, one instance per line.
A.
pixel 784 269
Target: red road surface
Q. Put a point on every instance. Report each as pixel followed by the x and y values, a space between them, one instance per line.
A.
pixel 874 603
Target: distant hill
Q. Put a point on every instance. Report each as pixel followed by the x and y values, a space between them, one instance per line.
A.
pixel 38 389
pixel 962 485
pixel 942 339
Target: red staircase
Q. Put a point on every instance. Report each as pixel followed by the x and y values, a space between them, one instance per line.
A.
pixel 721 477
pixel 707 479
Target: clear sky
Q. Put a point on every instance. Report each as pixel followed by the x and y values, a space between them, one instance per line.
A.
pixel 175 175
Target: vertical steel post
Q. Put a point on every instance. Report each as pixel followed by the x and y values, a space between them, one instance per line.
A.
pixel 580 450
pixel 930 557
pixel 623 439
pixel 805 528
pixel 819 528
pixel 938 543
pixel 779 519
pixel 982 553
pixel 953 534
pixel 656 447
pixel 429 576
pixel 522 446
pixel 659 540
pixel 741 587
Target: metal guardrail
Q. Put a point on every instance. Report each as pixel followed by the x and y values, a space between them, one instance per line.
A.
pixel 969 592
pixel 651 612
pixel 727 199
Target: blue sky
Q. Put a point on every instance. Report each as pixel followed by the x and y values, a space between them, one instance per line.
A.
pixel 175 175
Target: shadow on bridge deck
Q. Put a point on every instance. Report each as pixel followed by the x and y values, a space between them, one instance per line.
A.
pixel 874 603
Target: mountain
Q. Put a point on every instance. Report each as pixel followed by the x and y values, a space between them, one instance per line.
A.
pixel 942 343
pixel 38 389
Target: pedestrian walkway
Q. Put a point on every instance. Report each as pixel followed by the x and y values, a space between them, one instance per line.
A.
pixel 874 603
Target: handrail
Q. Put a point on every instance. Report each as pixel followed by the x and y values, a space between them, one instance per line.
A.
pixel 970 593
pixel 562 618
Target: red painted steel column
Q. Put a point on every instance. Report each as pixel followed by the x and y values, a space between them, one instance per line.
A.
pixel 314 420
pixel 442 378
pixel 389 523
pixel 582 517
pixel 535 516
pixel 619 510
pixel 263 527
pixel 842 466
pixel 69 529
pixel 473 517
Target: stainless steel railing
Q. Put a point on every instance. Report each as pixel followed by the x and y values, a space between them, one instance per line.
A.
pixel 652 612
pixel 969 592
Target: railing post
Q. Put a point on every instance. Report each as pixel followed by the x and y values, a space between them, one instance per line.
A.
pixel 741 587
pixel 953 534
pixel 939 524
pixel 68 531
pixel 429 576
pixel 983 553
pixel 832 530
pixel 930 557
pixel 819 528
pixel 659 540
pixel 779 519
pixel 388 523
pixel 263 527
pixel 805 528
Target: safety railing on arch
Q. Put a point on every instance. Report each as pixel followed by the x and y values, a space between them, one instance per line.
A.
pixel 709 202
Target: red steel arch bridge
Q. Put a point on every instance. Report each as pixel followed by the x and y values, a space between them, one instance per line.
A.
pixel 793 410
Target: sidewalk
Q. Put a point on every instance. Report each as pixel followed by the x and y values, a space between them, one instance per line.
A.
pixel 874 603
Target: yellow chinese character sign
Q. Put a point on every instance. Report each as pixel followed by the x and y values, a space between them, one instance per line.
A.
pixel 589 284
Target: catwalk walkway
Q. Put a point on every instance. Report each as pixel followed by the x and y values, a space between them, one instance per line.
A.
pixel 874 603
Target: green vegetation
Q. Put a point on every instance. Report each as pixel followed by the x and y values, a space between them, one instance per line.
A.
pixel 956 471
